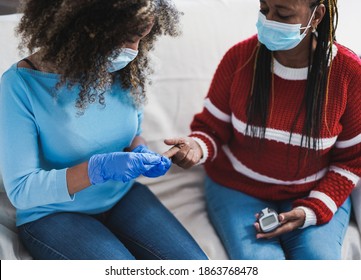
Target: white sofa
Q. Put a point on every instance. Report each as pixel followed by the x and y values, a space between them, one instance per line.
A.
pixel 184 68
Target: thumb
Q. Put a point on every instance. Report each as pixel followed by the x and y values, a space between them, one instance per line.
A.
pixel 282 219
pixel 166 161
pixel 286 217
pixel 174 141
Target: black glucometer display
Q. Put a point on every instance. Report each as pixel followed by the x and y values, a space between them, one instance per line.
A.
pixel 268 220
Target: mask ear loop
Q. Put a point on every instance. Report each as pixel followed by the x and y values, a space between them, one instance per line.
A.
pixel 309 22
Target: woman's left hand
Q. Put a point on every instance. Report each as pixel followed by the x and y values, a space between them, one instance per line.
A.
pixel 185 152
pixel 289 221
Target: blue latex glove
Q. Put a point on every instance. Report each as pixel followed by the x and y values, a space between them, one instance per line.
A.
pixel 157 170
pixel 120 166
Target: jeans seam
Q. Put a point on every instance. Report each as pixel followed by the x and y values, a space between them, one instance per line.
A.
pixel 36 241
pixel 156 254
pixel 215 219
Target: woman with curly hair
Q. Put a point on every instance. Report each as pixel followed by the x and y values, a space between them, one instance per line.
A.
pixel 71 145
pixel 282 120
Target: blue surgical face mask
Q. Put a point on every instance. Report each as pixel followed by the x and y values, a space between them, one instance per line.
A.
pixel 125 56
pixel 278 36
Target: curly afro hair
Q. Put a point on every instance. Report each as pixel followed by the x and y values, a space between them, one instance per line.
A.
pixel 78 37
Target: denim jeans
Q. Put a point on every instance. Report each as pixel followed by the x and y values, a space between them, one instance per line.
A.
pixel 233 215
pixel 137 227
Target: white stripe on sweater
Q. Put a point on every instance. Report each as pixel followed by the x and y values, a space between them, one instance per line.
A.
pixel 244 170
pixel 345 173
pixel 349 143
pixel 284 136
pixel 325 199
pixel 216 112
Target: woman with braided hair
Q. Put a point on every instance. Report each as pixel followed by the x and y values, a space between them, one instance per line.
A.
pixel 280 129
pixel 71 145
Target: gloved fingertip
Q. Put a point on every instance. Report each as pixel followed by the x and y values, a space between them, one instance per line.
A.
pixel 166 160
pixel 151 159
pixel 139 149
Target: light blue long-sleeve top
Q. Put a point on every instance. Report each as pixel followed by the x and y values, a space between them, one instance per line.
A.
pixel 42 134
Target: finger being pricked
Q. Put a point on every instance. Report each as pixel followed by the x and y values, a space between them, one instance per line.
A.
pixel 171 152
pixel 179 150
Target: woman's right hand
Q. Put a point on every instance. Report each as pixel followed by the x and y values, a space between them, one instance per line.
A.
pixel 185 152
pixel 120 166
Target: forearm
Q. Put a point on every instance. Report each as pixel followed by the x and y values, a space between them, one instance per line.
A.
pixel 324 200
pixel 77 178
pixel 138 140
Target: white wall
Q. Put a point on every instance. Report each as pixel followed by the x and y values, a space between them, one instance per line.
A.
pixel 8 42
pixel 348 32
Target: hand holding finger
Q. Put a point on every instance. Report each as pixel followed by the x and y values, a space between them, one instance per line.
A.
pixel 159 169
pixel 186 152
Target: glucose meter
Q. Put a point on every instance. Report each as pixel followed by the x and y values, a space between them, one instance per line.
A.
pixel 268 220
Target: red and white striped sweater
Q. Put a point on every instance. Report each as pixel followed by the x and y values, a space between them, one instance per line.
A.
pixel 273 171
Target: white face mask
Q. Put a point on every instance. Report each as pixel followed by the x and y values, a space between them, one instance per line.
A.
pixel 125 56
pixel 278 36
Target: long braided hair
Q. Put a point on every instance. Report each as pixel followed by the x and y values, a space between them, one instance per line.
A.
pixel 316 95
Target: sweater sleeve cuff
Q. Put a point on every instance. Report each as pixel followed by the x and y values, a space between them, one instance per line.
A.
pixel 61 189
pixel 310 218
pixel 203 148
pixel 207 143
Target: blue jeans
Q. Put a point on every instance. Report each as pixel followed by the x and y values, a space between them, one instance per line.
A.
pixel 138 227
pixel 233 215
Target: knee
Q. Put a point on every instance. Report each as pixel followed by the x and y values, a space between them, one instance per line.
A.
pixel 314 252
pixel 311 248
pixel 258 252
